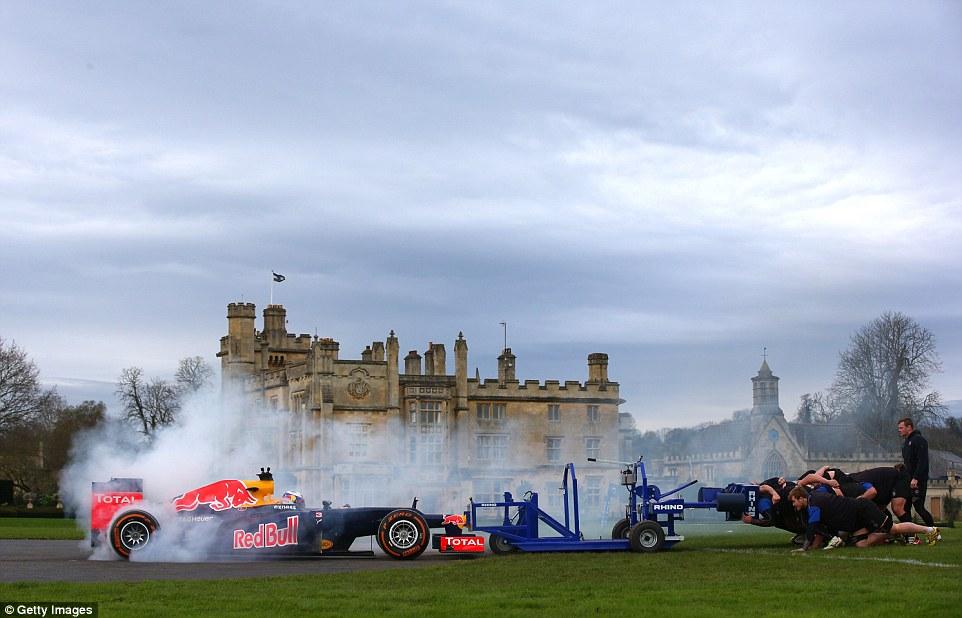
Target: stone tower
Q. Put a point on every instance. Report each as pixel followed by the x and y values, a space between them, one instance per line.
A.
pixel 764 396
pixel 275 325
pixel 237 348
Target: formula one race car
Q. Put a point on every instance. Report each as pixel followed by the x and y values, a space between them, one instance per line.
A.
pixel 234 517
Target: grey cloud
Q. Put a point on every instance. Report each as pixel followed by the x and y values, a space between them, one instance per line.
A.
pixel 678 186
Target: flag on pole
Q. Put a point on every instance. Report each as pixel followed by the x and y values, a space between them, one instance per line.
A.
pixel 278 278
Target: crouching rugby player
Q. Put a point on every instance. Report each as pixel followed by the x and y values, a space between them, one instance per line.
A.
pixel 829 516
pixel 775 509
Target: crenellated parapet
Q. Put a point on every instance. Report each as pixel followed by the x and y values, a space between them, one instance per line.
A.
pixel 704 457
pixel 491 387
pixel 241 310
pixel 832 457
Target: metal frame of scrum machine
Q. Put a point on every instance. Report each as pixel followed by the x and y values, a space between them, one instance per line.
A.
pixel 648 525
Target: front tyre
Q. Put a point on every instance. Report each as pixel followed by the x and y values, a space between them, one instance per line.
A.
pixel 646 536
pixel 132 532
pixel 403 534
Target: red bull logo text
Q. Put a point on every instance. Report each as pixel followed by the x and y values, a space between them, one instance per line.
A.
pixel 267 535
pixel 455 520
pixel 462 544
pixel 219 496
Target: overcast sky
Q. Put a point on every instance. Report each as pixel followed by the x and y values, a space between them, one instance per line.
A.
pixel 679 186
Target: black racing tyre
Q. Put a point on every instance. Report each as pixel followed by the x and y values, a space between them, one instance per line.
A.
pixel 132 531
pixel 403 534
pixel 500 545
pixel 646 536
pixel 620 530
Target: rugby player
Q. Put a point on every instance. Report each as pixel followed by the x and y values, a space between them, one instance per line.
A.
pixel 891 486
pixel 775 509
pixel 831 516
pixel 827 479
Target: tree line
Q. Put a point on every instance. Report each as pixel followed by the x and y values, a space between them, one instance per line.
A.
pixel 38 427
pixel 883 375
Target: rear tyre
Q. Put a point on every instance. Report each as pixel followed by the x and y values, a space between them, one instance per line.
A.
pixel 501 545
pixel 132 532
pixel 621 529
pixel 403 534
pixel 646 536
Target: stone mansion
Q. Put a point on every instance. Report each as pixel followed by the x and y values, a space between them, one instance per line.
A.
pixel 353 428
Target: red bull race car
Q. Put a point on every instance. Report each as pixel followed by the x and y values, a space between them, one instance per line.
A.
pixel 243 518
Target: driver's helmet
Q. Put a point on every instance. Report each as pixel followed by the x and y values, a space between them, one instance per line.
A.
pixel 293 497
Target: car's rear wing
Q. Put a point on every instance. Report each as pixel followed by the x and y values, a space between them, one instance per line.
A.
pixel 106 498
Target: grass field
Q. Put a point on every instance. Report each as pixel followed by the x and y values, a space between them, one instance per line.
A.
pixel 38 528
pixel 714 572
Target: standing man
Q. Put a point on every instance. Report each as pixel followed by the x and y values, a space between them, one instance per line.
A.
pixel 915 453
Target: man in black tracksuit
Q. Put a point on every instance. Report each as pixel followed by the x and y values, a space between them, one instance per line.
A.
pixel 915 453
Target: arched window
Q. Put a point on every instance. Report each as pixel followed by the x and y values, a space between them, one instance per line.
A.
pixel 774 465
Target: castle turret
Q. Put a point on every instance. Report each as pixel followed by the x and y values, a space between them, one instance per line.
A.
pixel 275 325
pixel 506 367
pixel 237 348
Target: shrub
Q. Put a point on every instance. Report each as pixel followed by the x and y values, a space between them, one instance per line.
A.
pixel 952 506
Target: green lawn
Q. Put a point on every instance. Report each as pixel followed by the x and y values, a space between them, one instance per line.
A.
pixel 745 572
pixel 39 528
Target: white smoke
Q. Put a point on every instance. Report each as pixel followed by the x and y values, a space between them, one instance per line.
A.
pixel 212 439
pixel 217 437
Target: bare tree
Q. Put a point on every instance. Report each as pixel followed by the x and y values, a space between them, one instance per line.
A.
pixel 163 402
pixel 816 408
pixel 20 393
pixel 149 405
pixel 193 374
pixel 130 392
pixel 884 375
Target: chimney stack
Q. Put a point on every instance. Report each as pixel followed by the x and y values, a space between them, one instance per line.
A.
pixel 597 368
pixel 506 367
pixel 412 363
